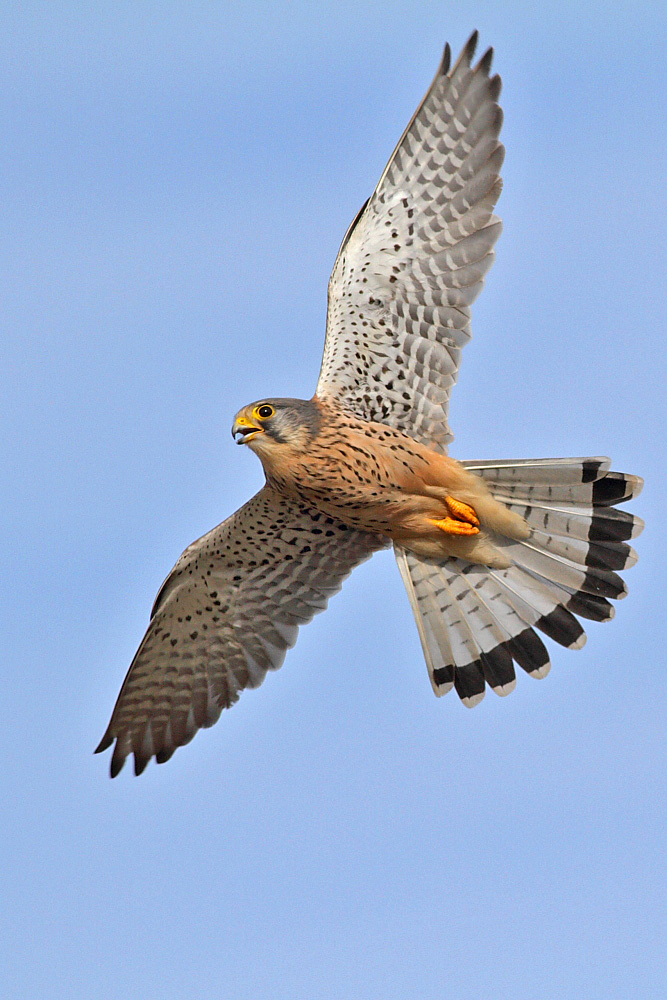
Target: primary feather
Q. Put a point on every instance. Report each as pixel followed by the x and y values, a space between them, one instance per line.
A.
pixel 415 259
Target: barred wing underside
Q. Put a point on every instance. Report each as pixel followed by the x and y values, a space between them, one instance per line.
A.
pixel 226 614
pixel 415 259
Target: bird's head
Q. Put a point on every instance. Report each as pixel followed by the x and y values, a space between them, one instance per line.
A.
pixel 270 423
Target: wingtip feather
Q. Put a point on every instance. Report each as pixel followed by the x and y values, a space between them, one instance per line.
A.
pixel 484 64
pixel 495 87
pixel 471 45
pixel 140 764
pixel 117 764
pixel 446 60
pixel 104 743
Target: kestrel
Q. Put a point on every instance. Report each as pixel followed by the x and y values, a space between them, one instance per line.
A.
pixel 488 551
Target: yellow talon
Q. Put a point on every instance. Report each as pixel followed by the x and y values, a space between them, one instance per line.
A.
pixel 464 520
pixel 454 527
pixel 462 511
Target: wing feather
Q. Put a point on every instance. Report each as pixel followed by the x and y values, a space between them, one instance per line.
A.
pixel 415 259
pixel 225 615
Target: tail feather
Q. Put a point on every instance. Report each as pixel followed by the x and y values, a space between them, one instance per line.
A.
pixel 616 487
pixel 530 653
pixel 596 609
pixel 568 575
pixel 611 555
pixel 497 663
pixel 596 524
pixel 536 471
pixel 431 624
pixel 475 622
pixel 487 637
pixel 542 604
pixel 525 647
pixel 579 481
pixel 469 673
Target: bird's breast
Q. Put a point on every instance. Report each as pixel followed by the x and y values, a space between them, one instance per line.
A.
pixel 356 470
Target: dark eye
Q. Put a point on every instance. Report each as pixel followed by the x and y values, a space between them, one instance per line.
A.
pixel 265 411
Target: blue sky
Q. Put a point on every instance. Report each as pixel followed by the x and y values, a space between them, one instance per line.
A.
pixel 176 181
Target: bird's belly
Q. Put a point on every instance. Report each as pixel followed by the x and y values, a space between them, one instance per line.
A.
pixel 403 502
pixel 373 507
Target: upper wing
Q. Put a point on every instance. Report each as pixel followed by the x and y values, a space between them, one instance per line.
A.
pixel 225 615
pixel 415 258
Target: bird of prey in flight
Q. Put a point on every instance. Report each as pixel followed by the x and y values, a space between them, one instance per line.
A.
pixel 491 552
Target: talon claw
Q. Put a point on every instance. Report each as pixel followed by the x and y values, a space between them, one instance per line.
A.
pixel 453 527
pixel 462 511
pixel 464 520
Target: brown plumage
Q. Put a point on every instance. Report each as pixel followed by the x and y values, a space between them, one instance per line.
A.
pixel 374 478
pixel 489 551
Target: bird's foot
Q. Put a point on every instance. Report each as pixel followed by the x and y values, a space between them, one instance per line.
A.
pixel 463 519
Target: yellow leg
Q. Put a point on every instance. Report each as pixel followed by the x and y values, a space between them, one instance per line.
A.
pixel 464 520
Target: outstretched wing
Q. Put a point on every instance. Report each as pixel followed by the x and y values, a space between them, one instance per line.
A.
pixel 226 614
pixel 415 258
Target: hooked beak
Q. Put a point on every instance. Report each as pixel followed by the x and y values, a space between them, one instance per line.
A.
pixel 243 430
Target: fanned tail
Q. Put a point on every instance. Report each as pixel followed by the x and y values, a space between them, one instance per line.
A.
pixel 475 622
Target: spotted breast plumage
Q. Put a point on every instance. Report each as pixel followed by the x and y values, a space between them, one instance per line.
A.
pixel 489 552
